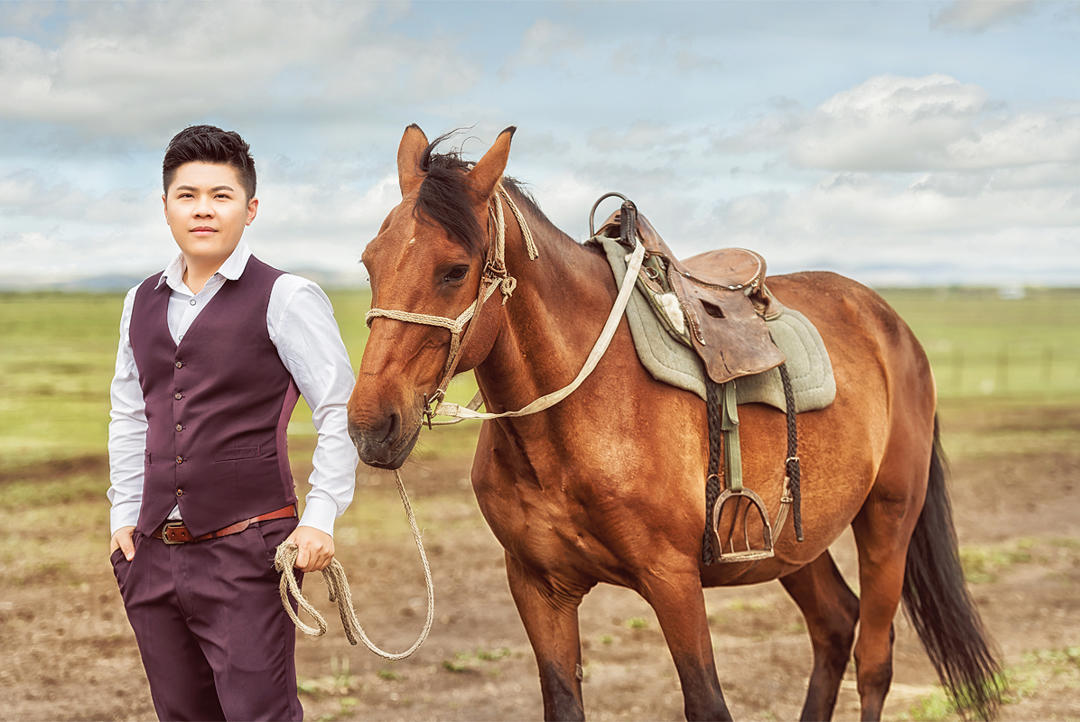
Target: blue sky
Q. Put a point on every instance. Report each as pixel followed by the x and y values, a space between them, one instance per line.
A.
pixel 896 142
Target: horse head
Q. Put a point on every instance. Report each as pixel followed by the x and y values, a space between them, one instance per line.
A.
pixel 431 275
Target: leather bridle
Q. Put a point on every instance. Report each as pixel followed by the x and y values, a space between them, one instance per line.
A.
pixel 494 276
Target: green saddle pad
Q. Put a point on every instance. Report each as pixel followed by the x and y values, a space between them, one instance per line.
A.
pixel 671 361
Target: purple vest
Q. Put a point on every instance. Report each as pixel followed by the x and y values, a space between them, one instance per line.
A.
pixel 217 406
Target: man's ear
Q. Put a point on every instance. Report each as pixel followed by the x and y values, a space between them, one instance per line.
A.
pixel 165 207
pixel 252 209
pixel 410 151
pixel 487 172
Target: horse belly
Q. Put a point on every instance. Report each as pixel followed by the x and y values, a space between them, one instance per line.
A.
pixel 841 447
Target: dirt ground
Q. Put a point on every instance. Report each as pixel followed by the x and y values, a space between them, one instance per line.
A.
pixel 68 652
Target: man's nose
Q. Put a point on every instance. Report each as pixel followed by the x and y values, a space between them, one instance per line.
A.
pixel 203 209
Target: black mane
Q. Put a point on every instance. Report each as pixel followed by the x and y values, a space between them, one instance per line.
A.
pixel 445 199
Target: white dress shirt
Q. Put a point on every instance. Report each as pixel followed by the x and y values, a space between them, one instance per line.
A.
pixel 301 324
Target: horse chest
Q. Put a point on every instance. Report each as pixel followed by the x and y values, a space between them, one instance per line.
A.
pixel 545 528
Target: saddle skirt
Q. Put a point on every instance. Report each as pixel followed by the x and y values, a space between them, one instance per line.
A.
pixel 662 330
pixel 722 298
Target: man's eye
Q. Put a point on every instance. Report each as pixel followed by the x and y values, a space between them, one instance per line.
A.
pixel 456 274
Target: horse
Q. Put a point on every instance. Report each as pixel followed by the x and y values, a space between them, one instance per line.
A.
pixel 608 484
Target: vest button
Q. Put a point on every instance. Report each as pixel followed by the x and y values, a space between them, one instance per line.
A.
pixel 178 396
pixel 179 364
pixel 179 460
pixel 179 492
pixel 179 427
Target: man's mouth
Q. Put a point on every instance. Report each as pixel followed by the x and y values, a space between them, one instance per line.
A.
pixel 203 229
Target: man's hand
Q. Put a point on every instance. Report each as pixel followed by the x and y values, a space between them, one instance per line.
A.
pixel 122 540
pixel 316 548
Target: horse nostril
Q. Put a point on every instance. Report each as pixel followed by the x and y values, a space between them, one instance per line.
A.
pixel 355 433
pixel 389 428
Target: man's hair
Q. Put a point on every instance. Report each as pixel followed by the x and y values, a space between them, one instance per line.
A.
pixel 209 144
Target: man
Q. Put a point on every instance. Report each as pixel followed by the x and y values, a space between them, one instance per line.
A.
pixel 213 354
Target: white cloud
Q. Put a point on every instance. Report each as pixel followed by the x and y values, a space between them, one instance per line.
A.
pixel 897 124
pixel 543 44
pixel 978 15
pixel 301 226
pixel 328 210
pixel 647 136
pixel 1029 138
pixel 888 123
pixel 895 171
pixel 147 67
pixel 862 224
pixel 753 133
pixel 663 53
pixel 565 198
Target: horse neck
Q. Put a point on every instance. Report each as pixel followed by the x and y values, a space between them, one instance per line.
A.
pixel 555 314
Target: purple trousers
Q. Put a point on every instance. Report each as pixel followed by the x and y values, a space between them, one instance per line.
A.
pixel 215 641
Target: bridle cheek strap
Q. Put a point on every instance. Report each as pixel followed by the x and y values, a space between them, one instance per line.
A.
pixel 458 333
pixel 454 325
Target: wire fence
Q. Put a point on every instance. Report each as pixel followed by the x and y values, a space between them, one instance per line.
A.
pixel 1007 370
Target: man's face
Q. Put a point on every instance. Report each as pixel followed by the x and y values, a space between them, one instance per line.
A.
pixel 207 210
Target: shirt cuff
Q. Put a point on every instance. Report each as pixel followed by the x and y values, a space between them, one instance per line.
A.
pixel 126 513
pixel 320 514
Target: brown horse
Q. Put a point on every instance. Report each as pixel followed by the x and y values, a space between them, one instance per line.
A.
pixel 608 485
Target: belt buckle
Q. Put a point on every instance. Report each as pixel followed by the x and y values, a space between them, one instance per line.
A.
pixel 165 531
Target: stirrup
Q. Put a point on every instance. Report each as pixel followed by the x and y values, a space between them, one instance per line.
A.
pixel 731 555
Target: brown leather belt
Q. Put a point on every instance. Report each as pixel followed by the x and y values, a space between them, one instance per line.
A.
pixel 174 532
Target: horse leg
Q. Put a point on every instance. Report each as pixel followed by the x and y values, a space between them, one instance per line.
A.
pixel 550 615
pixel 882 532
pixel 679 604
pixel 831 610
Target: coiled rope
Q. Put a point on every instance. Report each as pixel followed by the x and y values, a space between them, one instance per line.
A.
pixel 338 586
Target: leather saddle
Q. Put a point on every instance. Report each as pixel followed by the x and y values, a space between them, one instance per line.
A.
pixel 722 296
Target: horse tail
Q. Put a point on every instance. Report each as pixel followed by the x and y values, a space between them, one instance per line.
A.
pixel 941 609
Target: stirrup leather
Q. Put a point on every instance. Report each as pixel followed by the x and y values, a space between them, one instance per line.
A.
pixel 734 491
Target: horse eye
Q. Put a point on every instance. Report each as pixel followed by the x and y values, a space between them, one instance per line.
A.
pixel 456 274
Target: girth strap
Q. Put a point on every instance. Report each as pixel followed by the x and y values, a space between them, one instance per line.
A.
pixel 791 463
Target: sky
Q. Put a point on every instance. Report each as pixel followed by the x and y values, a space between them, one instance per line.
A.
pixel 900 143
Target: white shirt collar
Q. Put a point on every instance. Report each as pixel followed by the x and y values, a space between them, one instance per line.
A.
pixel 231 269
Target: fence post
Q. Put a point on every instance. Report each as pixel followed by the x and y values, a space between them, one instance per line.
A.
pixel 958 369
pixel 1003 368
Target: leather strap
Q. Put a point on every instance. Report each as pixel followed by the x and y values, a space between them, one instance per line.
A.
pixel 175 532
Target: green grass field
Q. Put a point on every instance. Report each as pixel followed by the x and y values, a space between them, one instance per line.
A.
pixel 982 345
pixel 57 354
pixel 58 350
pixel 1008 373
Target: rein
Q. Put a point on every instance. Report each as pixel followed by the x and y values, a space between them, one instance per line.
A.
pixel 338 586
pixel 496 276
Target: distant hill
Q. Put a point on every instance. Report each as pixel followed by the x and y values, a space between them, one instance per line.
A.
pixel 121 282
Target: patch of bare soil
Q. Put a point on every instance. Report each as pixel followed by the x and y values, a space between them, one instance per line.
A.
pixel 58 468
pixel 69 653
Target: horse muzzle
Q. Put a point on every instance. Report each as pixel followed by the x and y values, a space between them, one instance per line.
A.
pixel 384 444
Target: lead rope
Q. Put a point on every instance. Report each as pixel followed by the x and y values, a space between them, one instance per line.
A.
pixel 338 586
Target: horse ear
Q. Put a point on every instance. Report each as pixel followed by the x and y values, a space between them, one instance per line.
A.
pixel 487 172
pixel 410 151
